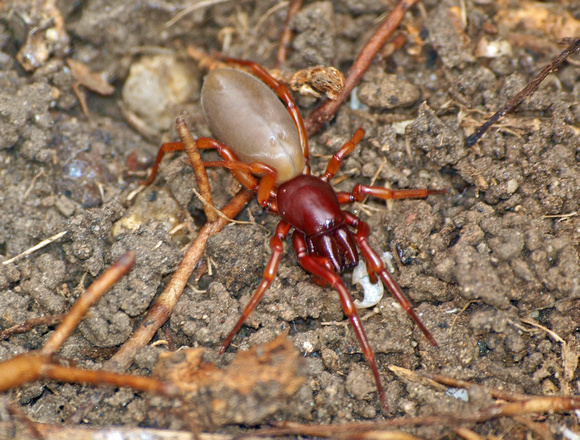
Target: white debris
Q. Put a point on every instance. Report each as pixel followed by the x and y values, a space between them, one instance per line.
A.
pixel 372 292
pixel 493 49
pixel 458 393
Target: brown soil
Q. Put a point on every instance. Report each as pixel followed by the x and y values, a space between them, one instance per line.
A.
pixel 499 250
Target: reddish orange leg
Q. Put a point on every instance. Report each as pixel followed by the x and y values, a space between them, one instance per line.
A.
pixel 323 261
pixel 378 267
pixel 336 161
pixel 284 94
pixel 244 176
pixel 276 244
pixel 241 171
pixel 204 144
pixel 165 148
pixel 360 191
pixel 266 186
pixel 312 265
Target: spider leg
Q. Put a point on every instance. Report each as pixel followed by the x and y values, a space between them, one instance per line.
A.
pixel 242 171
pixel 371 256
pixel 165 148
pixel 360 191
pixel 244 177
pixel 313 265
pixel 276 244
pixel 336 161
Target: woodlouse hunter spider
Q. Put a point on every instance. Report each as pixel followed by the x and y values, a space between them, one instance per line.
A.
pixel 259 137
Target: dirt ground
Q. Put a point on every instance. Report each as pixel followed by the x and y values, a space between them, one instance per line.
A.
pixel 492 267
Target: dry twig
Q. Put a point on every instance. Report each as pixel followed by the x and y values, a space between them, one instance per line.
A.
pixel 323 113
pixel 34 248
pixel 30 324
pixel 286 36
pixel 39 364
pixel 198 167
pixel 514 101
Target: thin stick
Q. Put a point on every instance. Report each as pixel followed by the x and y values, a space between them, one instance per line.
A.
pixel 32 183
pixel 527 90
pixel 468 434
pixel 555 336
pixel 286 36
pixel 40 245
pixel 160 312
pixel 91 432
pixel 327 109
pixel 219 213
pixel 535 404
pixel 495 393
pixel 198 167
pixel 99 287
pixel 139 383
pixel 30 324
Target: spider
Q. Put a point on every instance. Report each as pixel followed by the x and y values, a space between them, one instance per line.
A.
pixel 261 138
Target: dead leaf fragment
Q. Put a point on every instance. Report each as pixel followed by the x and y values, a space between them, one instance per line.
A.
pixel 47 36
pixel 91 80
pixel 313 80
pixel 256 384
